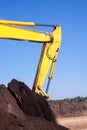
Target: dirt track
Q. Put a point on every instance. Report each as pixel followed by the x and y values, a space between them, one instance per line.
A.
pixel 74 123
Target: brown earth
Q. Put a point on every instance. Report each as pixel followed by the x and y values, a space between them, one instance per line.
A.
pixel 72 115
pixel 23 109
pixel 68 108
pixel 74 123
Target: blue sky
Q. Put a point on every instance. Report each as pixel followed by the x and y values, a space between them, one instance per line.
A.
pixel 19 59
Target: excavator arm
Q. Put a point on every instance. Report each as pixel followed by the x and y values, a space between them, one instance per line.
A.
pixel 10 30
pixel 51 44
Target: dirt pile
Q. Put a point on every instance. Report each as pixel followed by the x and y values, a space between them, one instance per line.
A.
pixel 22 109
pixel 68 108
pixel 31 103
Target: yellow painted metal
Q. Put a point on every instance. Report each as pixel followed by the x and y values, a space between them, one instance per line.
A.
pixel 53 65
pixel 18 23
pixel 11 32
pixel 48 56
pixel 52 41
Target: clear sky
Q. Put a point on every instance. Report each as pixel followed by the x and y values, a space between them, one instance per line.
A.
pixel 19 59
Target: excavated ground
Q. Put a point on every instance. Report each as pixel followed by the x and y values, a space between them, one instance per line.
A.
pixel 23 109
pixel 68 108
pixel 70 114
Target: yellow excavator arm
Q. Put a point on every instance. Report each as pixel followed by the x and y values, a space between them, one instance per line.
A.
pixel 51 44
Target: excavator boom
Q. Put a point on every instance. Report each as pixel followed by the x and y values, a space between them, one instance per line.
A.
pixel 17 33
pixel 51 44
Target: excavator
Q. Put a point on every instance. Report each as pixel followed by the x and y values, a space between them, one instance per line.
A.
pixel 18 30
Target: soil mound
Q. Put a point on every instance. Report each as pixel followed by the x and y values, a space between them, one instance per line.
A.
pixel 22 109
pixel 31 103
pixel 9 104
pixel 68 108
